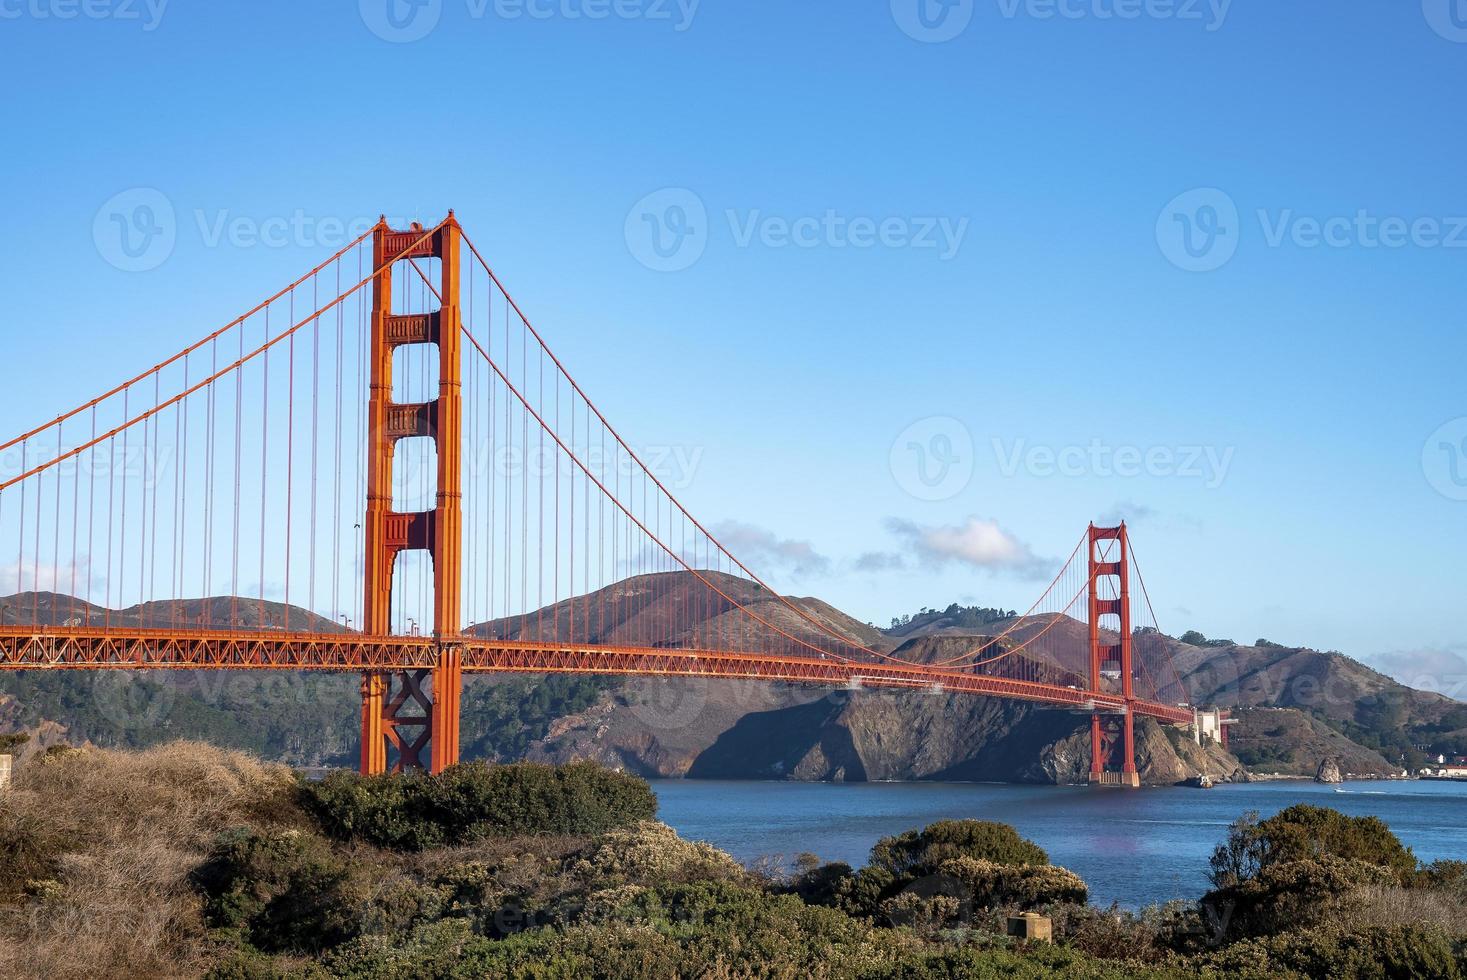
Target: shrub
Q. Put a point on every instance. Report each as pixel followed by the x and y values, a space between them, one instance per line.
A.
pixel 474 801
pixel 821 884
pixel 991 885
pixel 861 894
pixel 120 832
pixel 1305 833
pixel 921 852
pixel 1406 953
pixel 1292 895
pixel 285 891
pixel 1446 876
pixel 1036 962
pixel 652 854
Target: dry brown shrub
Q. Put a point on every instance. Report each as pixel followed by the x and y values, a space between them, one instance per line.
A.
pixel 1392 907
pixel 119 833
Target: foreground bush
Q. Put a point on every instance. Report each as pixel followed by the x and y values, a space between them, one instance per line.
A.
pixel 1307 833
pixel 992 885
pixel 922 852
pixel 101 845
pixel 653 854
pixel 475 801
pixel 1406 953
pixel 284 892
pixel 1292 895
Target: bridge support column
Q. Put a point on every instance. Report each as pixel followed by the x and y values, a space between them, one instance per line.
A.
pixel 1110 662
pixel 410 718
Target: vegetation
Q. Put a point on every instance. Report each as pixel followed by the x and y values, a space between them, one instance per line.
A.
pixel 185 860
pixel 1196 639
pixel 1307 833
pixel 954 616
pixel 922 852
pixel 473 801
pixel 304 719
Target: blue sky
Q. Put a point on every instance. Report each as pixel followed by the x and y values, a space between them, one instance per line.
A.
pixel 1200 264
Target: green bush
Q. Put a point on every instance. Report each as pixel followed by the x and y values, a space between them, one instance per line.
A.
pixel 1375 954
pixel 990 885
pixel 921 852
pixel 861 894
pixel 1037 962
pixel 1447 876
pixel 1292 896
pixel 652 854
pixel 820 885
pixel 1307 833
pixel 281 892
pixel 474 801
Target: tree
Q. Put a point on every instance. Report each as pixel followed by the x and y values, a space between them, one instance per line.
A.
pixel 1193 638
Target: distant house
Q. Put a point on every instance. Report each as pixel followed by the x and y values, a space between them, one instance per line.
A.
pixel 1454 768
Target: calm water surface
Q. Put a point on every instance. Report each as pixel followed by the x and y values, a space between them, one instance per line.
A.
pixel 1132 847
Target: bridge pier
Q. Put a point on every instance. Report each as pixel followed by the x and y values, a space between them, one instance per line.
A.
pixel 413 716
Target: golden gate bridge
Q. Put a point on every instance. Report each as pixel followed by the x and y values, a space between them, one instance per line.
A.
pixel 383 468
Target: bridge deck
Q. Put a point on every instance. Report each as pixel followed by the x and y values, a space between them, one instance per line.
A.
pixel 89 648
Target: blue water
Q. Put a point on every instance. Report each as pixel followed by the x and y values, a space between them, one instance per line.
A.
pixel 1134 847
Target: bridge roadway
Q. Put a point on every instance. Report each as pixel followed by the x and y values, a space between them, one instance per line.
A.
pixel 92 648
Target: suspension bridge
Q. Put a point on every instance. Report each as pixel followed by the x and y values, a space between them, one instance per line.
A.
pixel 383 468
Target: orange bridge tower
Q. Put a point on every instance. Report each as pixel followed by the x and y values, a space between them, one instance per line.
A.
pixel 1112 736
pixel 410 718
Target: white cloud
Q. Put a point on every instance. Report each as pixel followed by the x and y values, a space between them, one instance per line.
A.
pixel 880 561
pixel 761 549
pixel 977 542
